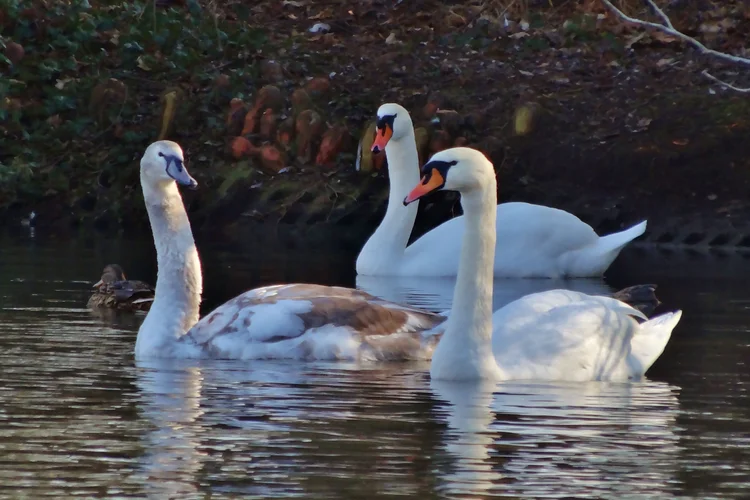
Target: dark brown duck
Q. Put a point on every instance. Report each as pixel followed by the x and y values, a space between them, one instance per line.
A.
pixel 115 291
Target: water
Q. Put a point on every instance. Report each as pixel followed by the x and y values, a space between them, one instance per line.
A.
pixel 79 418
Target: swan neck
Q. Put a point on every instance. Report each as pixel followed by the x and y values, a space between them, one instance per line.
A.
pixel 465 350
pixel 472 298
pixel 176 305
pixel 389 240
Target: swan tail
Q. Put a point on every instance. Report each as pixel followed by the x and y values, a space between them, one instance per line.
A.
pixel 615 241
pixel 651 338
pixel 593 260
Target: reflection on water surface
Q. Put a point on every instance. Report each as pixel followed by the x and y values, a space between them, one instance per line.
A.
pixel 79 418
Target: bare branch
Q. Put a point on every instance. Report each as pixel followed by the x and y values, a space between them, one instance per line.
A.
pixel 670 30
pixel 661 14
pixel 725 84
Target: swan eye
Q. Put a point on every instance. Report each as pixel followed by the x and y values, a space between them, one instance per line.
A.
pixel 441 167
pixel 385 123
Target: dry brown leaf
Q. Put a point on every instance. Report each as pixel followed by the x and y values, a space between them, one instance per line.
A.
pixel 54 121
pixel 271 158
pixel 635 39
pixel 241 147
pixel 662 37
pixel 332 143
pixel 664 62
pixel 326 13
pixel 523 120
pixel 365 162
pixel 285 132
pixel 236 115
pixel 14 52
pixel 268 124
pixel 142 63
pixel 251 118
pixel 422 139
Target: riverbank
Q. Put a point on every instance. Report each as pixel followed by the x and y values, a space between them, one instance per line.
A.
pixel 623 126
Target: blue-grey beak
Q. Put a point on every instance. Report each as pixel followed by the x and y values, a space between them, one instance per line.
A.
pixel 177 171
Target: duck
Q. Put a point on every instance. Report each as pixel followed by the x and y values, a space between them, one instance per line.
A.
pixel 560 335
pixel 288 321
pixel 534 241
pixel 115 291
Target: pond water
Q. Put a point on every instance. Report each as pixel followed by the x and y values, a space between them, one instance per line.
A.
pixel 79 418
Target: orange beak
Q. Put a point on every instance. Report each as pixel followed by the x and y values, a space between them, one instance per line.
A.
pixel 426 186
pixel 382 136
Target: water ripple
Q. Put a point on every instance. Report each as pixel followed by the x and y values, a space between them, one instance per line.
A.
pixel 80 419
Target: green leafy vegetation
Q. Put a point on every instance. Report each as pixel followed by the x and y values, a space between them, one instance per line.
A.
pixel 81 85
pixel 85 85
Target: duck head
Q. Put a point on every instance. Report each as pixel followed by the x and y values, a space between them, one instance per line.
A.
pixel 110 274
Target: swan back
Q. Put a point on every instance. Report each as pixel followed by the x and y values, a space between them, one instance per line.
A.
pixel 567 335
pixel 315 322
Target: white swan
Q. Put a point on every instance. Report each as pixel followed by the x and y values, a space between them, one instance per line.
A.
pixel 295 321
pixel 552 335
pixel 534 241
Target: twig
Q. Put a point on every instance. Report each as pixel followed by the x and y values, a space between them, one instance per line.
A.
pixel 117 118
pixel 725 84
pixel 661 14
pixel 215 15
pixel 669 29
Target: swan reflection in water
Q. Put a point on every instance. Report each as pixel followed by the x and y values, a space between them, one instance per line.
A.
pixel 272 428
pixel 324 429
pixel 436 294
pixel 171 402
pixel 557 440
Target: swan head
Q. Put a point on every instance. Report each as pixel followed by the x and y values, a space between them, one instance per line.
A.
pixel 456 169
pixel 164 163
pixel 392 124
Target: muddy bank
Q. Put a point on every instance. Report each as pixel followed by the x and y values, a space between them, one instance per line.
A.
pixel 688 174
pixel 624 128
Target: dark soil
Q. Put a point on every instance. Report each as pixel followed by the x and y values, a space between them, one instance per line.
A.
pixel 624 126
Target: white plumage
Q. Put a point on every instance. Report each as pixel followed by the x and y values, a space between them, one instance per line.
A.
pixel 557 334
pixel 533 241
pixel 296 321
pixel 551 335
